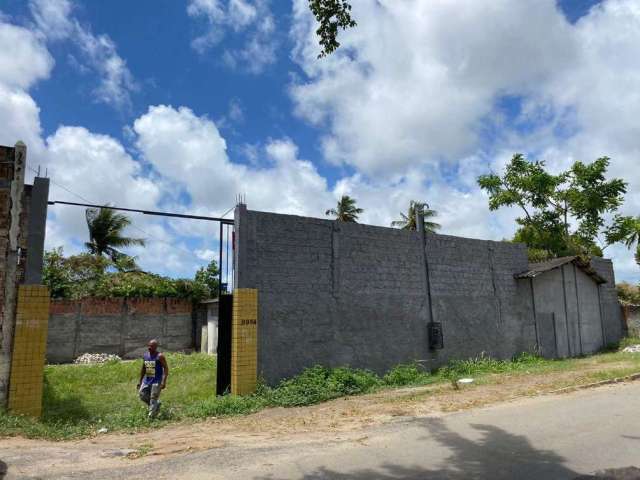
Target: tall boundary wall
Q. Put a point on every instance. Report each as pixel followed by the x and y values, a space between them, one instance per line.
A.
pixel 335 293
pixel 118 326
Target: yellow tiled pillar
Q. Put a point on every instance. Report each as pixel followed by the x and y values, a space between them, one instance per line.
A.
pixel 29 346
pixel 244 341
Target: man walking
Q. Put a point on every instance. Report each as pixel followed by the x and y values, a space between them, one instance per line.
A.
pixel 153 377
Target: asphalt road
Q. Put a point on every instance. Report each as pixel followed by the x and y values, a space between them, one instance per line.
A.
pixel 550 437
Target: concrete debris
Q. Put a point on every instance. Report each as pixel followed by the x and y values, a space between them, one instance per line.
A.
pixel 103 430
pixel 86 358
pixel 632 349
pixel 465 380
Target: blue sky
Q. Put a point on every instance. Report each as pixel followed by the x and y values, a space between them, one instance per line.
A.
pixel 182 105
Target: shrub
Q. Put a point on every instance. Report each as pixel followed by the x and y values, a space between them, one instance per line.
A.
pixel 88 275
pixel 406 374
pixel 628 293
pixel 318 384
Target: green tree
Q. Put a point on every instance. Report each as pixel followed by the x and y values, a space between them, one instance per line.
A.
pixel 75 276
pixel 625 229
pixel 87 275
pixel 106 229
pixel 331 15
pixel 346 210
pixel 408 220
pixel 562 214
pixel 55 274
pixel 208 276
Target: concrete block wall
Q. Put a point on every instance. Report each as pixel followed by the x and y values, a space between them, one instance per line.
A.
pixel 30 338
pixel 611 313
pixel 336 293
pixel 117 325
pixel 481 306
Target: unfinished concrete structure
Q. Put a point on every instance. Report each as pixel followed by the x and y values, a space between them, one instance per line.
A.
pixel 23 211
pixel 572 316
pixel 335 293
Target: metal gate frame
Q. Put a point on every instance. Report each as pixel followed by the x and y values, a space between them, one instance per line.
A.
pixel 225 298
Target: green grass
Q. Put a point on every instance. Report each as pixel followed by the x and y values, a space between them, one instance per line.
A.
pixel 81 399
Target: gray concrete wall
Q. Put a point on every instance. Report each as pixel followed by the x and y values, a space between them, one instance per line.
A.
pixel 481 306
pixel 611 312
pixel 631 314
pixel 570 294
pixel 334 293
pixel 587 315
pixel 591 327
pixel 117 325
pixel 550 299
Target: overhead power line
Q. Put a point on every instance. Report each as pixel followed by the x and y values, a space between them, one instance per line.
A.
pixel 168 214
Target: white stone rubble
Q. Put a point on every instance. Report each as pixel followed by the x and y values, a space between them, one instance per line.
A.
pixel 96 358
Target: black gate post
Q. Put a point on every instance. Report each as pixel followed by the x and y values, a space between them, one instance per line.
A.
pixel 223 367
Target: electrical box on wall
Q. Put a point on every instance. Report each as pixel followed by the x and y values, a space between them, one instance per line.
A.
pixel 436 341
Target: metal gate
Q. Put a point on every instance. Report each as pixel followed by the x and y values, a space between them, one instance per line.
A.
pixel 225 282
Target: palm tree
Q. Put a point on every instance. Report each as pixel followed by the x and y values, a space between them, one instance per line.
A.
pixel 105 233
pixel 408 221
pixel 346 210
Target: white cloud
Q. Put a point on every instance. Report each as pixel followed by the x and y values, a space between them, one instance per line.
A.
pixel 405 103
pixel 54 22
pixel 190 150
pixel 116 81
pixel 413 92
pixel 23 59
pixel 53 18
pixel 206 254
pixel 414 81
pixel 250 18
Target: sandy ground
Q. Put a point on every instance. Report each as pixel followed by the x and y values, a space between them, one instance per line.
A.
pixel 345 418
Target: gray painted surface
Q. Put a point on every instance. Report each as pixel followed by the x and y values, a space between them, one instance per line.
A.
pixel 611 312
pixel 72 333
pixel 548 346
pixel 550 299
pixel 36 230
pixel 334 294
pixel 588 315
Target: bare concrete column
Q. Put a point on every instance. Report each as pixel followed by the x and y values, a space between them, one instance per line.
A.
pixel 36 230
pixel 11 274
pixel 240 270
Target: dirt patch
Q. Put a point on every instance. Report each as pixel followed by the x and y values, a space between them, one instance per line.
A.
pixel 338 419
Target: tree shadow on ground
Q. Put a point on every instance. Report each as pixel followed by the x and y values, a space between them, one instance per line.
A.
pixel 3 469
pixel 58 407
pixel 496 455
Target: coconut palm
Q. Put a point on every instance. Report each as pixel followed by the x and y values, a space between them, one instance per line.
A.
pixel 105 233
pixel 408 220
pixel 627 230
pixel 346 210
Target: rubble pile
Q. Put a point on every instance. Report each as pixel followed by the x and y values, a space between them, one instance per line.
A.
pixel 86 358
pixel 632 349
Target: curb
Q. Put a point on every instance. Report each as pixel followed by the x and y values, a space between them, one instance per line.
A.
pixel 573 388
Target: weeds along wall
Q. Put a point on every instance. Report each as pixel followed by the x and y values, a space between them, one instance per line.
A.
pixel 118 326
pixel 335 293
